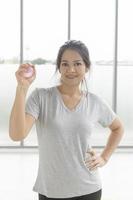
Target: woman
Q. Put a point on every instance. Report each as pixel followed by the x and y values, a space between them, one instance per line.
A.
pixel 64 117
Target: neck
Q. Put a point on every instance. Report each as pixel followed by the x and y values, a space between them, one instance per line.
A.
pixel 69 90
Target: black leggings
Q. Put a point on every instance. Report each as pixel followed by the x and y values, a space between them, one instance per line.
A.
pixel 92 196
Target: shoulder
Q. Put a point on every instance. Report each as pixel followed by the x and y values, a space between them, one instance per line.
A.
pixel 44 91
pixel 97 100
pixel 94 97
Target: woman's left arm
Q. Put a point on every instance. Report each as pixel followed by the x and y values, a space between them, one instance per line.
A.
pixel 117 131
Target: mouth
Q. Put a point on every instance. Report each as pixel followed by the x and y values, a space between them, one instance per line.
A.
pixel 71 77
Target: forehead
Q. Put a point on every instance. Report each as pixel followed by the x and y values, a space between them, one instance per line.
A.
pixel 71 55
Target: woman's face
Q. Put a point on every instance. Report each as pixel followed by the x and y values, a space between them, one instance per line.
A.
pixel 72 68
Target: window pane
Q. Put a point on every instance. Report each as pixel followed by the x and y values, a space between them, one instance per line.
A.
pixel 93 23
pixel 9 31
pixel 9 58
pixel 8 90
pixel 125 69
pixel 125 102
pixel 45 30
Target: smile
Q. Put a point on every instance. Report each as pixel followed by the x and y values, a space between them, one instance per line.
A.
pixel 71 77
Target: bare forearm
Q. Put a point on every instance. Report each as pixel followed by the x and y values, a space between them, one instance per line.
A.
pixel 17 117
pixel 112 143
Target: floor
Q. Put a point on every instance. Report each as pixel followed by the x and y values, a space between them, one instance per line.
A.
pixel 18 170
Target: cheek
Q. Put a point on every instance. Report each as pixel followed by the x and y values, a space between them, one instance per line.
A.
pixel 62 74
pixel 82 74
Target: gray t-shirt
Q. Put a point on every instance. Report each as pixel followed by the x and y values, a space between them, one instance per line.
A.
pixel 64 136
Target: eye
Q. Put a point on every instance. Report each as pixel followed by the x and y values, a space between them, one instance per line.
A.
pixel 64 64
pixel 78 64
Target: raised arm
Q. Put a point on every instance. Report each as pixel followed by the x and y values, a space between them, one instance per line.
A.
pixel 20 123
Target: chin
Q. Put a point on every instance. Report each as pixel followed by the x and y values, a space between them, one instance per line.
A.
pixel 71 84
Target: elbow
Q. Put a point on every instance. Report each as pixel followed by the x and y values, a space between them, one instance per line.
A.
pixel 121 129
pixel 15 137
pixel 117 126
pixel 121 132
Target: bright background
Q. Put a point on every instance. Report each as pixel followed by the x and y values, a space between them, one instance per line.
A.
pixel 45 29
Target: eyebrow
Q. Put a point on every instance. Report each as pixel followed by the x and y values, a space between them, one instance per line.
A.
pixel 73 61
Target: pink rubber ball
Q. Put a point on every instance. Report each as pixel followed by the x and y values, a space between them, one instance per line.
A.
pixel 28 73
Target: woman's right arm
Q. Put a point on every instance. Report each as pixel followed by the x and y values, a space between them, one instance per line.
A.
pixel 21 123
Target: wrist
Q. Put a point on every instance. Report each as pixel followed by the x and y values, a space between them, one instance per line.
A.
pixel 105 158
pixel 22 89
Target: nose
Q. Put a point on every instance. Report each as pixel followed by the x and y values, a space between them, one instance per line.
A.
pixel 71 68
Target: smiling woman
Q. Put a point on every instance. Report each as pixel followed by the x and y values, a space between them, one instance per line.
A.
pixel 73 62
pixel 70 67
pixel 64 117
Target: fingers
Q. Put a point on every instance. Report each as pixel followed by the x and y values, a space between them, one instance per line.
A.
pixel 26 65
pixel 23 68
pixel 95 162
pixel 19 72
pixel 93 165
pixel 22 78
pixel 92 155
pixel 92 161
pixel 92 152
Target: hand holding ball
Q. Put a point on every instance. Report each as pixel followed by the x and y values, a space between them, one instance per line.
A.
pixel 28 73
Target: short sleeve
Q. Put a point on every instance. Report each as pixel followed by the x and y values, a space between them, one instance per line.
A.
pixel 32 104
pixel 106 115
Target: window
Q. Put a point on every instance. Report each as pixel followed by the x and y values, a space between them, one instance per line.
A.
pixel 45 30
pixel 9 59
pixel 93 23
pixel 125 69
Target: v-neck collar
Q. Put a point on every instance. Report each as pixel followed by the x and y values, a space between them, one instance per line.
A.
pixel 62 101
